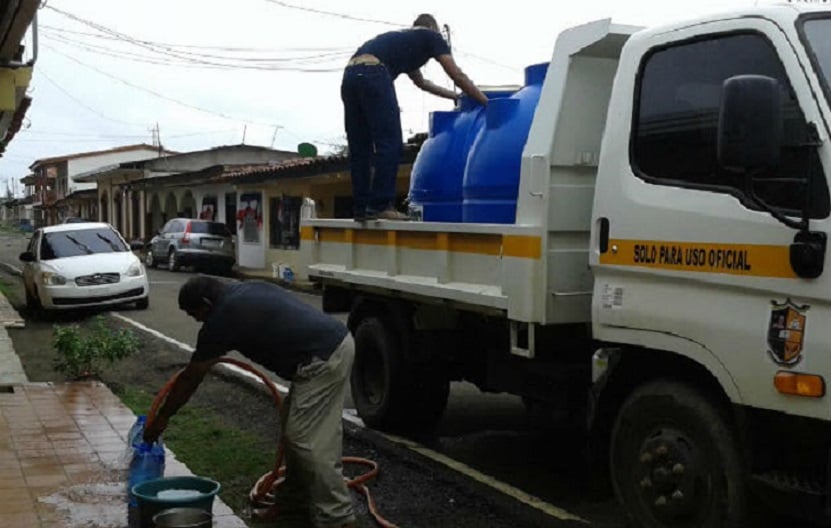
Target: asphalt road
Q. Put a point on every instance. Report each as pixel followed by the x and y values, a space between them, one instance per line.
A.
pixel 485 435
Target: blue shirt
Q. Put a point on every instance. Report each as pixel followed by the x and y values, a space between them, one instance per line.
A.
pixel 269 326
pixel 407 50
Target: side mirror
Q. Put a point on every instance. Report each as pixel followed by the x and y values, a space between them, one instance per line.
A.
pixel 27 256
pixel 750 122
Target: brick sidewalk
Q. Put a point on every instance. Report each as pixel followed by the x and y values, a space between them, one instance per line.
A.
pixel 61 458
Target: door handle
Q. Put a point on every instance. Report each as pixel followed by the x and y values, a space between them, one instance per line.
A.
pixel 603 235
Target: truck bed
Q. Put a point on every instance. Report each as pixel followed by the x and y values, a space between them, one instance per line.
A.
pixel 471 264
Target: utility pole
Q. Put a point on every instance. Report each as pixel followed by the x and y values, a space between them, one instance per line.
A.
pixel 244 130
pixel 274 136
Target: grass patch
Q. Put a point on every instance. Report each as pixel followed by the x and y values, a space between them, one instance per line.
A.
pixel 5 288
pixel 211 448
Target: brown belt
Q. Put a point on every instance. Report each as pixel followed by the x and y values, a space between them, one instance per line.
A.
pixel 365 59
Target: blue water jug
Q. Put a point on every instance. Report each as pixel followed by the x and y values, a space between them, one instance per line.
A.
pixel 147 461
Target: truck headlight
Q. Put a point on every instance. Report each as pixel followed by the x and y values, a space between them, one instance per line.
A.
pixel 135 270
pixel 53 279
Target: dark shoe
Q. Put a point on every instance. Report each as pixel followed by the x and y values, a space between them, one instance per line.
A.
pixel 392 214
pixel 364 217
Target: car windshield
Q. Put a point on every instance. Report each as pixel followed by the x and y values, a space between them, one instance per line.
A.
pixel 210 228
pixel 818 35
pixel 62 244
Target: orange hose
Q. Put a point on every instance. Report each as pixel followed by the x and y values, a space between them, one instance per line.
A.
pixel 264 490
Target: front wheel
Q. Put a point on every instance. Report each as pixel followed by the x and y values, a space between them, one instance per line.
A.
pixel 33 303
pixel 675 461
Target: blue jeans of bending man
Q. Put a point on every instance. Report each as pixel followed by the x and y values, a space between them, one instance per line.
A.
pixel 373 132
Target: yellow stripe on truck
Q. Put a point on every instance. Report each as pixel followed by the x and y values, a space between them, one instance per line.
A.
pixel 754 260
pixel 518 246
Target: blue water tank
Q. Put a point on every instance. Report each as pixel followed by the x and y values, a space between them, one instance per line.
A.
pixel 436 178
pixel 491 177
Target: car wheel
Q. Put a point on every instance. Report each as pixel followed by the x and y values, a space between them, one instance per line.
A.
pixel 675 461
pixel 172 260
pixel 149 261
pixel 143 304
pixel 33 304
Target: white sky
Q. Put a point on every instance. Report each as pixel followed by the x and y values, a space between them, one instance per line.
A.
pixel 76 108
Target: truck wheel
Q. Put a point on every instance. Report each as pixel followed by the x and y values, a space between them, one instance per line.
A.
pixel 675 462
pixel 391 393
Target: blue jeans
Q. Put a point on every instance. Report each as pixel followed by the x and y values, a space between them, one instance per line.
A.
pixel 373 132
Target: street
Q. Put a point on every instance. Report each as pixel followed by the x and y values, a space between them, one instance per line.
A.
pixel 485 436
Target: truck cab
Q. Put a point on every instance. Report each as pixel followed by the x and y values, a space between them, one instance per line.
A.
pixel 709 228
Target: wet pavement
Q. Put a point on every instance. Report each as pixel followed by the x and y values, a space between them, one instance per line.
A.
pixel 62 460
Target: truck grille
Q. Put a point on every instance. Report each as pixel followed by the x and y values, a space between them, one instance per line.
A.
pixel 97 278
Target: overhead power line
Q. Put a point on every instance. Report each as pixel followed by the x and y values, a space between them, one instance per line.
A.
pixel 334 14
pixel 155 93
pixel 286 63
pixel 230 49
pixel 82 104
pixel 188 62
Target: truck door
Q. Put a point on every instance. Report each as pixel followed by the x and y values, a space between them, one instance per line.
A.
pixel 684 260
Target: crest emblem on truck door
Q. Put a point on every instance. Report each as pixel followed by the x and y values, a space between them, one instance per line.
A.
pixel 786 332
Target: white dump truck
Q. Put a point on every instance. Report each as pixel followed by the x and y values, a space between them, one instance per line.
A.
pixel 663 281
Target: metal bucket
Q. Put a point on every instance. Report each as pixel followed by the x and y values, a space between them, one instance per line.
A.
pixel 183 518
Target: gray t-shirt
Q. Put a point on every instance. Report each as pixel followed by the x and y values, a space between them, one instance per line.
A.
pixel 268 325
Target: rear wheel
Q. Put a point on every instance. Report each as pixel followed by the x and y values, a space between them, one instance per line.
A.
pixel 389 391
pixel 675 461
pixel 172 260
pixel 149 260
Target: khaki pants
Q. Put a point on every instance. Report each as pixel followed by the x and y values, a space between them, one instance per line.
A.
pixel 313 438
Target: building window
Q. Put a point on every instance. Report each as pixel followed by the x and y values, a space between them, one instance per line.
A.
pixel 678 100
pixel 284 222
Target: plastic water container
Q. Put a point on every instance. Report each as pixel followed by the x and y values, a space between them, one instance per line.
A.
pixel 146 461
pixel 491 177
pixel 136 431
pixel 147 464
pixel 436 178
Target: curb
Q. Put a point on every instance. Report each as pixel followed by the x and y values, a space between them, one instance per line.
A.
pixel 11 270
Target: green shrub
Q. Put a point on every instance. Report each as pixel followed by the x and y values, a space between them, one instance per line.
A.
pixel 83 353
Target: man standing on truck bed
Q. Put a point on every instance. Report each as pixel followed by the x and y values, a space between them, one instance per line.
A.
pixel 372 116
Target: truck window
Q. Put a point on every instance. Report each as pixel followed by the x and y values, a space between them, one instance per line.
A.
pixel 677 107
pixel 817 33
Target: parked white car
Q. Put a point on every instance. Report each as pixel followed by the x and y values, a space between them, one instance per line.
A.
pixel 81 265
